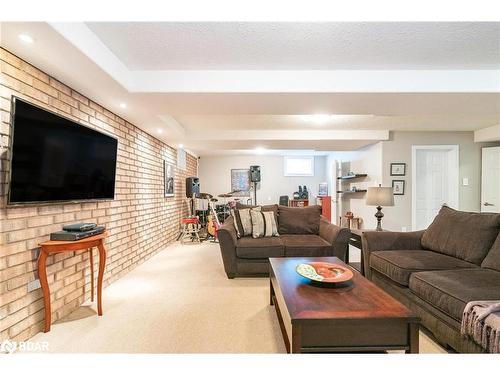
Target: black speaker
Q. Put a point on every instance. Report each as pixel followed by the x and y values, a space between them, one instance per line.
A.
pixel 255 173
pixel 192 186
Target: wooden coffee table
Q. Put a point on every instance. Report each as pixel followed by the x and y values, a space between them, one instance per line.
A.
pixel 357 317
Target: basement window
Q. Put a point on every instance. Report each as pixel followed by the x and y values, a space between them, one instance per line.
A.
pixel 299 166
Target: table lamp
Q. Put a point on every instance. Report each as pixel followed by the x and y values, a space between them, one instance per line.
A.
pixel 379 196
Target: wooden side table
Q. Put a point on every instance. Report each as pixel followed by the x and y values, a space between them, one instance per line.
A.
pixel 355 240
pixel 87 244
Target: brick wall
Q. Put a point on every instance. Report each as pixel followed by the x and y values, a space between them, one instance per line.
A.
pixel 140 220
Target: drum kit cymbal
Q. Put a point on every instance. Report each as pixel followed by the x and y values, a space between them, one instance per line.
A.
pixel 228 195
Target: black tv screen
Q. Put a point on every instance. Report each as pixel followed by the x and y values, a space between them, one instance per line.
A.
pixel 56 159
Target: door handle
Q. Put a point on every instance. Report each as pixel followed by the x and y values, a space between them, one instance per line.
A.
pixel 488 204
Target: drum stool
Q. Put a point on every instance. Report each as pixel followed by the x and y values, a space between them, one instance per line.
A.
pixel 190 229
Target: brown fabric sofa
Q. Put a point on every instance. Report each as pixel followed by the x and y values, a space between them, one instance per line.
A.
pixel 436 272
pixel 303 232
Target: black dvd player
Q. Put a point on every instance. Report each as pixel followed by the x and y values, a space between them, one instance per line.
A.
pixel 79 227
pixel 65 235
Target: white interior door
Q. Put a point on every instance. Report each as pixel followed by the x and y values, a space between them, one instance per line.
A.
pixel 434 182
pixel 490 180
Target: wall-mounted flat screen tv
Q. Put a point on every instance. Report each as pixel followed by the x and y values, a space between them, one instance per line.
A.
pixel 56 159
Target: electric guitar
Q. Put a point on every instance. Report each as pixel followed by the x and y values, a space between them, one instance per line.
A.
pixel 213 224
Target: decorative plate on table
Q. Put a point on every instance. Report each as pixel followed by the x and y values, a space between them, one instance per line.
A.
pixel 324 272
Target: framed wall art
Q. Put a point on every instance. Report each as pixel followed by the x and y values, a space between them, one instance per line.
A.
pixel 398 169
pixel 169 178
pixel 240 182
pixel 398 187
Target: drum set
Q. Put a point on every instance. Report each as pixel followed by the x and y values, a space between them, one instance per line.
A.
pixel 211 212
pixel 221 206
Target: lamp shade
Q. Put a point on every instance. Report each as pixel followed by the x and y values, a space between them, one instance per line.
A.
pixel 380 196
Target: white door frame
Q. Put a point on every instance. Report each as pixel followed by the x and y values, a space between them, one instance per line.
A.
pixel 454 175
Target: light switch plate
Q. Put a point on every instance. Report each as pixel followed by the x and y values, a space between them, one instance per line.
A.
pixel 465 181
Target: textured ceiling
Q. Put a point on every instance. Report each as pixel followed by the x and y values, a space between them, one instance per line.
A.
pixel 239 121
pixel 301 46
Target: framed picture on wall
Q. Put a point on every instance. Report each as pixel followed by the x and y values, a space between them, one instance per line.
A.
pixel 398 169
pixel 398 187
pixel 240 182
pixel 168 175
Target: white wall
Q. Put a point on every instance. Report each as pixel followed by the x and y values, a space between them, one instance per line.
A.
pixel 366 160
pixel 398 149
pixel 375 160
pixel 215 176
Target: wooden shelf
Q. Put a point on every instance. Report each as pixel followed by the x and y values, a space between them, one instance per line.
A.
pixel 350 177
pixel 351 191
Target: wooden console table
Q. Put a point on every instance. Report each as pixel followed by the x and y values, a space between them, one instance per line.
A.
pixel 87 244
pixel 298 202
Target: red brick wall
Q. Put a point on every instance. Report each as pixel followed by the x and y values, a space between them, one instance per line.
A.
pixel 140 220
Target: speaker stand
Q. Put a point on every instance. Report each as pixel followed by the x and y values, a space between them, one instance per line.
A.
pixel 254 193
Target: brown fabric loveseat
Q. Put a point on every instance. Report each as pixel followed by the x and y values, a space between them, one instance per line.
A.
pixel 436 272
pixel 303 233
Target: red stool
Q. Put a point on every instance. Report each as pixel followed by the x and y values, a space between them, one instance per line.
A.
pixel 190 229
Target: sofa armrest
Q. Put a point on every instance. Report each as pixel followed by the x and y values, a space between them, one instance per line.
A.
pixel 337 236
pixel 379 241
pixel 227 241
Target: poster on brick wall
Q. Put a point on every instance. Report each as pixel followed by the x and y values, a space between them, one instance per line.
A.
pixel 168 172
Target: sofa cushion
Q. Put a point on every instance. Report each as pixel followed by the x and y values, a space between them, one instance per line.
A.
pixel 242 222
pixel 306 245
pixel 492 260
pixel 299 220
pixel 263 223
pixel 259 248
pixel 465 235
pixel 398 265
pixel 265 208
pixel 449 291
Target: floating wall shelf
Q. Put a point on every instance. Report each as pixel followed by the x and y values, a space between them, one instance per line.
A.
pixel 351 176
pixel 351 191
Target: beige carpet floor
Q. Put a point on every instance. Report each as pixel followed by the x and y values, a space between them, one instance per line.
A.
pixel 179 301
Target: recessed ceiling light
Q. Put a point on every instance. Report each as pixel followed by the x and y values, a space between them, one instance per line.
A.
pixel 25 38
pixel 123 105
pixel 260 150
pixel 317 119
pixel 159 131
pixel 181 145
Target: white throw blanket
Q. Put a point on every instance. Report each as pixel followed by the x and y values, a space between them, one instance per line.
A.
pixel 481 322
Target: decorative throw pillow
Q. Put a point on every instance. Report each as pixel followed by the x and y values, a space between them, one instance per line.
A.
pixel 263 223
pixel 242 222
pixel 237 222
pixel 264 208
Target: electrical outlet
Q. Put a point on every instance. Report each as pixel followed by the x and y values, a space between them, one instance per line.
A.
pixel 33 285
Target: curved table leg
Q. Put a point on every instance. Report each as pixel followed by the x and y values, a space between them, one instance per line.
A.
pixel 91 257
pixel 42 275
pixel 100 276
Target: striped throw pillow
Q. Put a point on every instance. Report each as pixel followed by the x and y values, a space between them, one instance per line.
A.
pixel 263 223
pixel 242 222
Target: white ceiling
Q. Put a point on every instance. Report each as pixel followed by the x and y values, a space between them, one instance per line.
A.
pixel 301 46
pixel 229 111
